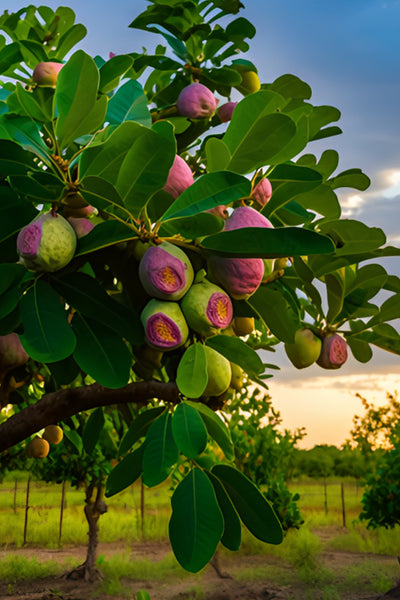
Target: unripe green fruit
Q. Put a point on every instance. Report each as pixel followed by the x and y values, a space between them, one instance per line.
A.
pixel 237 377
pixel 207 308
pixel 250 81
pixel 38 448
pixel 53 434
pixel 219 373
pixel 166 272
pixel 45 73
pixel 48 243
pixel 164 325
pixel 305 350
pixel 243 325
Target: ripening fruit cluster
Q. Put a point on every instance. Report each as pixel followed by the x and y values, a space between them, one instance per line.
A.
pixel 328 350
pixel 39 447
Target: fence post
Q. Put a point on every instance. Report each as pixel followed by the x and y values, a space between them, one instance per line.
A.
pixel 343 505
pixel 325 497
pixel 61 513
pixel 26 509
pixel 15 495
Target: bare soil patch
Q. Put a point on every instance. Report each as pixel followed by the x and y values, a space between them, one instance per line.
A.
pixel 207 582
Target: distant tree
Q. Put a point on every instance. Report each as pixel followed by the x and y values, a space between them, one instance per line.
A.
pixel 374 428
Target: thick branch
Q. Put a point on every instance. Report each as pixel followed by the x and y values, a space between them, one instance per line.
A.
pixel 55 407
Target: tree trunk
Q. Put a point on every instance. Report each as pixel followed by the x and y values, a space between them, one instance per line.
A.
pixel 95 506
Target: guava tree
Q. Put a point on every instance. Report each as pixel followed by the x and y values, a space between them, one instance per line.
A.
pixel 142 224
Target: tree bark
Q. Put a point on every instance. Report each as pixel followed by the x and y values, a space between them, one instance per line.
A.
pixel 59 405
pixel 94 508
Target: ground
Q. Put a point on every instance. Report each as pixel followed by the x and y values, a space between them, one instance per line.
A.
pixel 206 585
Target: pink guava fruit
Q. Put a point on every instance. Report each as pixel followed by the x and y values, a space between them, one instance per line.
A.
pixel 164 325
pixel 80 225
pixel 180 177
pixel 196 101
pixel 207 308
pixel 12 353
pixel 78 213
pixel 262 191
pixel 305 349
pixel 45 73
pixel 219 211
pixel 225 111
pixel 48 243
pixel 165 272
pixel 333 352
pixel 240 277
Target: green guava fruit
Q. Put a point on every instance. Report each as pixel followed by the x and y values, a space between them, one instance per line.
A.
pixel 219 373
pixel 48 243
pixel 237 377
pixel 243 325
pixel 164 325
pixel 305 350
pixel 207 308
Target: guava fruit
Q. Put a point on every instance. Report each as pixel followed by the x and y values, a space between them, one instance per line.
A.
pixel 207 308
pixel 219 373
pixel 268 269
pixel 38 448
pixel 333 352
pixel 45 73
pixel 78 213
pixel 165 272
pixel 12 353
pixel 196 101
pixel 179 178
pixel 243 325
pixel 53 434
pixel 240 277
pixel 80 225
pixel 250 81
pixel 164 325
pixel 48 243
pixel 225 111
pixel 236 377
pixel 262 191
pixel 219 211
pixel 305 350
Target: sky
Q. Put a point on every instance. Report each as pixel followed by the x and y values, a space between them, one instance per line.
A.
pixel 349 53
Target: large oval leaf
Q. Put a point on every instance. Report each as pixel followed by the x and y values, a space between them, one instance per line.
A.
pixel 125 472
pixel 196 523
pixel 160 452
pixel 139 427
pixel 254 509
pixel 92 430
pixel 47 335
pixel 189 431
pixel 101 352
pixel 216 428
pixel 237 351
pixel 232 535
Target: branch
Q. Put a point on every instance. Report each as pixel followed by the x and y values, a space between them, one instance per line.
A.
pixel 59 405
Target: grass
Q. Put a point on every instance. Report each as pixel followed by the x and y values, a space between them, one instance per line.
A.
pixel 19 568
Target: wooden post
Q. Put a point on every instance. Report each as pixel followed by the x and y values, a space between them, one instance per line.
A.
pixel 61 513
pixel 343 505
pixel 142 508
pixel 26 509
pixel 325 497
pixel 15 495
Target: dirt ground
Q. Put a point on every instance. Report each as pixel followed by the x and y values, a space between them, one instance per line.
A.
pixel 211 586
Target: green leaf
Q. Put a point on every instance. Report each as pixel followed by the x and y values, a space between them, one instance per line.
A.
pixel 10 276
pixel 189 431
pixel 88 297
pixel 254 509
pixel 232 535
pixel 129 103
pixel 216 428
pixel 10 55
pixel 237 351
pixel 352 237
pixel 193 362
pixel 78 109
pixel 290 86
pixel 192 227
pixel 101 352
pixel 9 301
pixel 13 159
pixel 126 472
pixel 276 313
pixel 103 235
pixel 321 116
pixel 142 595
pixel 29 105
pixel 361 350
pixel 260 242
pixel 288 181
pixel 92 429
pixel 160 451
pixel 209 191
pixel 139 427
pixel 67 40
pixel 112 71
pixel 335 287
pixel 26 133
pixel 196 523
pixel 353 178
pixel 257 132
pixel 322 200
pixel 388 311
pixel 75 439
pixel 102 195
pixel 15 213
pixel 41 187
pixel 64 371
pixel 47 335
pixel 217 154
